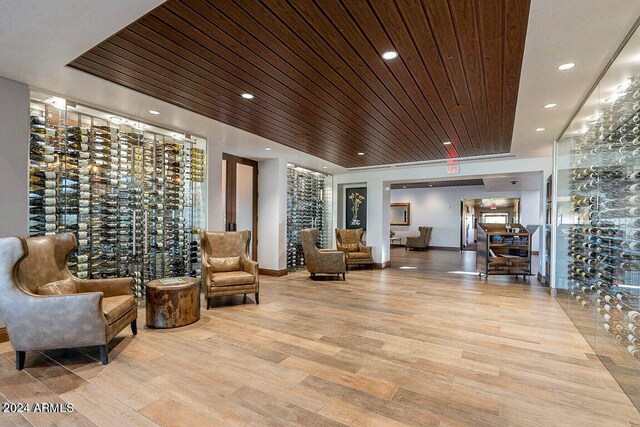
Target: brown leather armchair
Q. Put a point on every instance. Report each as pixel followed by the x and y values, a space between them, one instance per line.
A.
pixel 45 307
pixel 226 267
pixel 349 241
pixel 325 261
pixel 421 241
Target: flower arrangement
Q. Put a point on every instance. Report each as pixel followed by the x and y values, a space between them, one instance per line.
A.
pixel 356 199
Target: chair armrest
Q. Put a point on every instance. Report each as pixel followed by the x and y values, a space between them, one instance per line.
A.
pixel 42 322
pixel 206 269
pixel 250 266
pixel 109 287
pixel 333 256
pixel 366 249
pixel 342 248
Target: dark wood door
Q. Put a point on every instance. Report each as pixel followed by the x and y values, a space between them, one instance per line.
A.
pixel 241 197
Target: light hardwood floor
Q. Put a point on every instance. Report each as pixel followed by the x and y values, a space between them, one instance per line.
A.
pixel 425 345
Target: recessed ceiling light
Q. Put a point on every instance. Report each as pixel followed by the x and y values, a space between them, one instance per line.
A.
pixel 247 96
pixel 267 149
pixel 390 54
pixel 154 112
pixel 446 143
pixel 430 185
pixel 361 154
pixel 540 129
pixel 567 66
pixel 404 186
pixel 551 105
pixel 324 167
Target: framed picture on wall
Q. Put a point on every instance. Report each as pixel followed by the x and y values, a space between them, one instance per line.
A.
pixel 356 207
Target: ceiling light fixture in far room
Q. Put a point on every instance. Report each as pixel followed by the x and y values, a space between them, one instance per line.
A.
pixel 360 153
pixel 154 112
pixel 446 143
pixel 247 96
pixel 540 129
pixel 567 66
pixel 550 105
pixel 404 186
pixel 390 54
pixel 325 167
pixel 267 149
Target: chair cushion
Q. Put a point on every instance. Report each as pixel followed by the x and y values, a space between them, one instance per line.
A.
pixel 231 263
pixel 351 247
pixel 114 307
pixel 231 278
pixel 359 255
pixel 61 287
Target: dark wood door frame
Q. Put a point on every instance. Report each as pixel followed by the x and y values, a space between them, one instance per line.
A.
pixel 230 197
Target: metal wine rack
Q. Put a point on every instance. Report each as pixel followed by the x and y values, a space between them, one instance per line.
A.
pixel 598 244
pixel 308 206
pixel 132 194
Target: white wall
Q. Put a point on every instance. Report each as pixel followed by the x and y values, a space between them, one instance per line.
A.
pixel 14 160
pixel 530 213
pixel 272 209
pixel 440 208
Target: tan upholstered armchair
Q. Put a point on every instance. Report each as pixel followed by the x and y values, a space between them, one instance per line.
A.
pixel 45 307
pixel 349 241
pixel 419 242
pixel 325 261
pixel 226 267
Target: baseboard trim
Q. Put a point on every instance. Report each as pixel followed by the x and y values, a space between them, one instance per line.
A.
pixel 445 248
pixel 4 336
pixel 273 273
pixel 380 266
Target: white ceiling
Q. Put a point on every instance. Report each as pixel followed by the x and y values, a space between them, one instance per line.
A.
pixel 38 38
pixel 585 32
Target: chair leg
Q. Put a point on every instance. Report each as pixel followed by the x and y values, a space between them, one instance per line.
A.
pixel 208 303
pixel 313 275
pixel 244 298
pixel 134 328
pixel 20 358
pixel 104 354
pixel 344 277
pixel 257 298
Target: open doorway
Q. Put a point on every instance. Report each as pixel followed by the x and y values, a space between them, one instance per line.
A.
pixel 485 211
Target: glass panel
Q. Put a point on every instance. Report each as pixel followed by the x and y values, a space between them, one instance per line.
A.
pixel 597 253
pixel 131 193
pixel 309 201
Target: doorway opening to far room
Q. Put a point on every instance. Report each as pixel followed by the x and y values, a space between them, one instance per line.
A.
pixel 443 214
pixel 490 210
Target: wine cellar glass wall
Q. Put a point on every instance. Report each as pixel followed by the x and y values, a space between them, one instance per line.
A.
pixel 308 206
pixel 131 193
pixel 598 220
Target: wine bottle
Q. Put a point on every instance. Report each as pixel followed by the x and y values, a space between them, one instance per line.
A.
pixel 634 351
pixel 45 158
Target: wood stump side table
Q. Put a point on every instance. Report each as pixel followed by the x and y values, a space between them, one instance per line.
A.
pixel 173 305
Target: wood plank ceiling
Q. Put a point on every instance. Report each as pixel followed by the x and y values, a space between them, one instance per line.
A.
pixel 319 81
pixel 434 184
